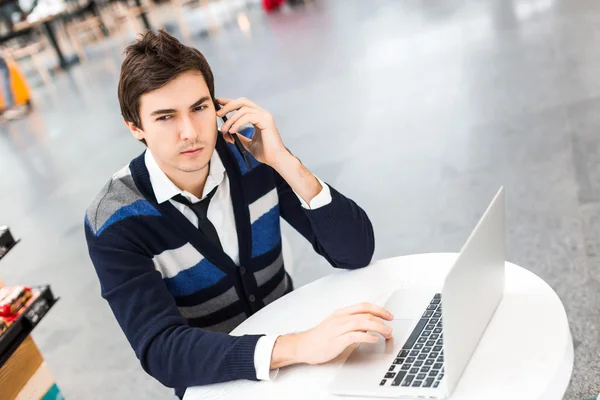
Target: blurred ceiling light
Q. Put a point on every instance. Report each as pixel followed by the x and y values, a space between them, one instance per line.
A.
pixel 528 9
pixel 243 22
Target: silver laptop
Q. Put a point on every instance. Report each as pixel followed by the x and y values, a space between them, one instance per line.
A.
pixel 431 345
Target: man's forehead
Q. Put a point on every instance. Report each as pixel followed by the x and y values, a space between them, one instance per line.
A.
pixel 181 92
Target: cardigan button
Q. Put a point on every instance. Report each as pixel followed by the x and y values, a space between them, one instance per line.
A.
pixel 252 298
pixel 242 270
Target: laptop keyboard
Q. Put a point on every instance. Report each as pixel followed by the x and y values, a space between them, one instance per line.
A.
pixel 420 363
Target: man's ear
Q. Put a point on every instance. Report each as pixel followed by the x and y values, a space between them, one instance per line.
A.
pixel 135 131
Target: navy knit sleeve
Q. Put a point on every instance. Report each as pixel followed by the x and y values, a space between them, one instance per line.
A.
pixel 177 355
pixel 339 231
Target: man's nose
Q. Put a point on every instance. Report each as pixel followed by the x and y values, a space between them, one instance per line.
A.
pixel 187 130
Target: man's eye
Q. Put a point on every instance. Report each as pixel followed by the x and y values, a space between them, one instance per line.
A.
pixel 200 108
pixel 164 118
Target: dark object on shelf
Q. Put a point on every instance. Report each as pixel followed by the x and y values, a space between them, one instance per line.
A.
pixel 7 241
pixel 22 326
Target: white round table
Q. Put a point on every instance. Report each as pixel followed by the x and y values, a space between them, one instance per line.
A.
pixel 526 352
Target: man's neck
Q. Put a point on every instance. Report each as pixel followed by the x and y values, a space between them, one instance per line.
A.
pixel 191 182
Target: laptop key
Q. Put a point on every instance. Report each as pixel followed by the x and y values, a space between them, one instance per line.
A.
pixel 399 378
pixel 428 382
pixel 427 314
pixel 403 353
pixel 441 359
pixel 429 362
pixel 426 349
pixel 437 314
pixel 437 330
pixel 410 360
pixel 425 333
pixel 418 363
pixel 434 320
pixel 414 353
pixel 422 340
pixel 392 368
pixel 440 341
pixel 437 296
pixel 438 366
pixel 390 375
pixel 434 373
pixel 421 376
pixel 383 381
pixel 398 361
pixel 434 336
pixel 431 307
pixel 414 371
pixel 430 327
pixel 406 367
pixel 415 334
pixel 409 380
pixel 437 348
pixel 422 357
pixel 430 343
pixel 418 346
pixel 436 384
pixel 434 355
pixel 417 383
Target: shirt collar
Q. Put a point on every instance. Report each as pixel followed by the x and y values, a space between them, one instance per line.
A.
pixel 164 189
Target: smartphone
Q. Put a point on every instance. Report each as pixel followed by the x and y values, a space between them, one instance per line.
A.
pixel 240 147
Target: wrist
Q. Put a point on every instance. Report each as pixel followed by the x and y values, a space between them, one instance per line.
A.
pixel 283 161
pixel 285 351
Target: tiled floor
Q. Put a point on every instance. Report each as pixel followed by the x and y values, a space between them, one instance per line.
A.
pixel 417 110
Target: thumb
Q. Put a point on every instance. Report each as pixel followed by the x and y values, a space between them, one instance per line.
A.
pixel 228 138
pixel 245 141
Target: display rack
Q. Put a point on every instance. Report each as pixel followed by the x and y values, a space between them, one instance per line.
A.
pixel 3 253
pixel 29 318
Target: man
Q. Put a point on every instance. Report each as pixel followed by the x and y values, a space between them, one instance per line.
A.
pixel 186 239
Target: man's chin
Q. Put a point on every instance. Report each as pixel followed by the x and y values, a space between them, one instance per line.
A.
pixel 191 168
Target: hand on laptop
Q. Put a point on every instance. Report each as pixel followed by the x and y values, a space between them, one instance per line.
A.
pixel 331 337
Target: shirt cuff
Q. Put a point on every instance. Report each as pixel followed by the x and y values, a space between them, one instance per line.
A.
pixel 320 200
pixel 262 358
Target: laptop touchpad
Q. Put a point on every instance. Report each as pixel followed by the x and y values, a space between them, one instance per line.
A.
pixel 400 331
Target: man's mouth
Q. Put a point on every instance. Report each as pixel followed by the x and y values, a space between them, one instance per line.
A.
pixel 192 152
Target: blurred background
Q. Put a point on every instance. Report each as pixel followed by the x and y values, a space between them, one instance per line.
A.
pixel 417 110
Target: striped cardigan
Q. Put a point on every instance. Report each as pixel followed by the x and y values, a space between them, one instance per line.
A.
pixel 176 296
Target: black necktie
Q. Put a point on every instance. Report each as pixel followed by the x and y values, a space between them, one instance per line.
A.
pixel 200 209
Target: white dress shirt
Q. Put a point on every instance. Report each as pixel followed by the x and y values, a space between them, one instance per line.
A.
pixel 220 213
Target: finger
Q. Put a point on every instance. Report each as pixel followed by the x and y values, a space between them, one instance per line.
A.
pixel 366 308
pixel 236 104
pixel 250 118
pixel 236 115
pixel 365 323
pixel 351 338
pixel 222 100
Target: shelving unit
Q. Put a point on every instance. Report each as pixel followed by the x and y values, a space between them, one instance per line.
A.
pixel 5 252
pixel 20 328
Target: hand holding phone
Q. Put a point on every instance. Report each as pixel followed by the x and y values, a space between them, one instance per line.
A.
pixel 265 145
pixel 236 140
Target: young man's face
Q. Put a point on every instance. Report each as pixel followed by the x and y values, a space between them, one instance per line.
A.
pixel 179 124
